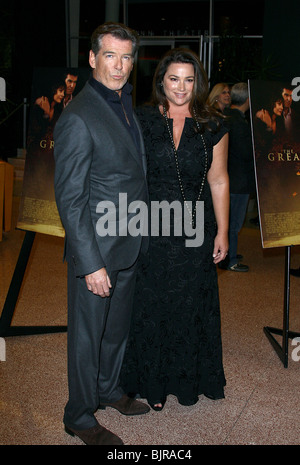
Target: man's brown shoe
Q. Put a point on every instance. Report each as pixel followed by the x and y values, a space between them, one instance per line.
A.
pixel 127 406
pixel 96 436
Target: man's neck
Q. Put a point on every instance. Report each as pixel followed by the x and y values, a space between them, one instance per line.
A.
pixel 242 108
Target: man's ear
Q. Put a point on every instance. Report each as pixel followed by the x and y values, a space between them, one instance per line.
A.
pixel 92 59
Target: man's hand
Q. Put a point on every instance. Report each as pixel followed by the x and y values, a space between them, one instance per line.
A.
pixel 98 283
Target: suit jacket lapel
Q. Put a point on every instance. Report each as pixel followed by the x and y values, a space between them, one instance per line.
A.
pixel 143 152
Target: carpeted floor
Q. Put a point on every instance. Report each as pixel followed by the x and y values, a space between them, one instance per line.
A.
pixel 262 397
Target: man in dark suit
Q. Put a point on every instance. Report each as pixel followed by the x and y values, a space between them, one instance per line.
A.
pixel 99 156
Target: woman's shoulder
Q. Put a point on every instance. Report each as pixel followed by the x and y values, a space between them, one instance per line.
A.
pixel 216 129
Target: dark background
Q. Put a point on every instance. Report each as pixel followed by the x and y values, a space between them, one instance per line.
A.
pixel 33 34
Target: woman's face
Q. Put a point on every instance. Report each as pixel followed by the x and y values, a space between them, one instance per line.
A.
pixel 224 98
pixel 59 95
pixel 278 108
pixel 178 83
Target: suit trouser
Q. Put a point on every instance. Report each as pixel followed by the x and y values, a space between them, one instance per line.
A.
pixel 97 335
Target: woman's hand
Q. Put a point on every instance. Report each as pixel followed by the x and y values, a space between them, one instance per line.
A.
pixel 220 248
pixel 44 104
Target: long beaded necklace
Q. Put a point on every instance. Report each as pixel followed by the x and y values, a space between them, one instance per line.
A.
pixel 192 213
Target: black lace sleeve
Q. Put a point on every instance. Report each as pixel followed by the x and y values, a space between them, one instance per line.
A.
pixel 217 133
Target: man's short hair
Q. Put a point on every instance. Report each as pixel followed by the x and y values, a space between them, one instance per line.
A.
pixel 239 93
pixel 117 30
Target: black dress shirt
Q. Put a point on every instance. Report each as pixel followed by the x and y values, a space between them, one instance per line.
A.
pixel 121 105
pixel 240 153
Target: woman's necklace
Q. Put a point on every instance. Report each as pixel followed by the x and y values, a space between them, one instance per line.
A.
pixel 192 213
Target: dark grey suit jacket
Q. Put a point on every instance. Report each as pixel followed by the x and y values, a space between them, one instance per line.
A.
pixel 96 160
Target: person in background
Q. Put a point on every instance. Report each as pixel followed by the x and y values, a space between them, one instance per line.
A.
pixel 99 153
pixel 240 170
pixel 71 78
pixel 270 120
pixel 51 105
pixel 219 97
pixel 39 170
pixel 288 113
pixel 175 344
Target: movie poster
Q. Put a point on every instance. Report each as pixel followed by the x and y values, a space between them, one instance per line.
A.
pixel 275 116
pixel 52 90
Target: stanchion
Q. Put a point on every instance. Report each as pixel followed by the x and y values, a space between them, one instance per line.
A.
pixel 6 329
pixel 282 349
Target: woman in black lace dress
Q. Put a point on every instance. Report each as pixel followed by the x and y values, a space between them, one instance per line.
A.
pixel 174 345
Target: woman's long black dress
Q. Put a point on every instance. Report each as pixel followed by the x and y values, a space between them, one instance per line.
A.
pixel 174 346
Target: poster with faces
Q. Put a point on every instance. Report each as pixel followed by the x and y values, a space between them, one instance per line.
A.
pixel 52 90
pixel 275 117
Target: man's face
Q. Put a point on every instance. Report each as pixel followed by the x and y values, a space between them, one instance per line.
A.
pixel 287 97
pixel 71 82
pixel 113 63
